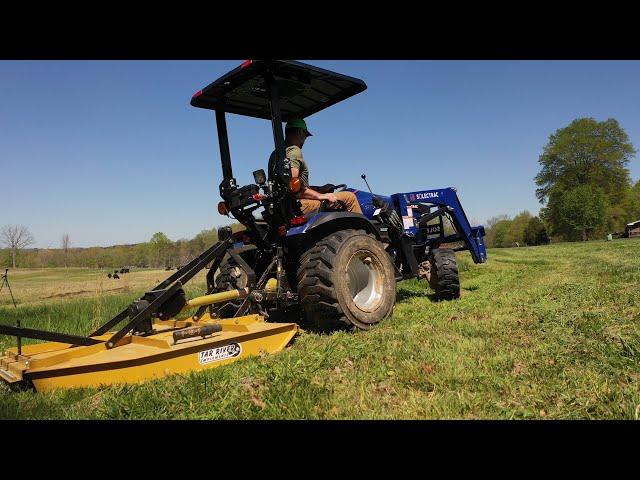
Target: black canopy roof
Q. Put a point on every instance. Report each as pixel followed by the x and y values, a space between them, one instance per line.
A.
pixel 304 89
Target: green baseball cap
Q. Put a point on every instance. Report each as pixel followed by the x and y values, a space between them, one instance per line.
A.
pixel 298 123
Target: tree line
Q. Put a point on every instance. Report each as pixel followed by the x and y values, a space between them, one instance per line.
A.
pixel 523 229
pixel 158 252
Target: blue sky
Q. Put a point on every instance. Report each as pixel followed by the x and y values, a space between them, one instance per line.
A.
pixel 111 151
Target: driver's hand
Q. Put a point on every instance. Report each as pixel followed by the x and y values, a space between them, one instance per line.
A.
pixel 330 197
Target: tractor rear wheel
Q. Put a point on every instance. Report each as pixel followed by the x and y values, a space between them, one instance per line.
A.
pixel 346 281
pixel 443 274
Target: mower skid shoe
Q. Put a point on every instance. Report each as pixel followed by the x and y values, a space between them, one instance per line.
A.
pixel 8 371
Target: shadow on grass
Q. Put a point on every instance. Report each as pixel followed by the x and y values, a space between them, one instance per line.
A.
pixel 24 386
pixel 404 294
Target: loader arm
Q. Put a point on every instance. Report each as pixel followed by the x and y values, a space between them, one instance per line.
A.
pixel 448 202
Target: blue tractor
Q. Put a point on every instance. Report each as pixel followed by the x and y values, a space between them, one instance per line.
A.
pixel 332 268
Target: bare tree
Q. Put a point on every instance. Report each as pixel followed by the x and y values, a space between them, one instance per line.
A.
pixel 15 237
pixel 493 220
pixel 66 243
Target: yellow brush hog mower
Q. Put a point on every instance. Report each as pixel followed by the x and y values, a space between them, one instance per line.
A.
pixel 152 343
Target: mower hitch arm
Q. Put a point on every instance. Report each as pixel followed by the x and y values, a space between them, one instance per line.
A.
pixel 189 271
pixel 49 336
pixel 184 274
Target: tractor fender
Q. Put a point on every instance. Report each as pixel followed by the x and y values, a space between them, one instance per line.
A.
pixel 326 222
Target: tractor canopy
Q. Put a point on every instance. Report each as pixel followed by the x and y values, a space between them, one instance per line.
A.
pixel 302 89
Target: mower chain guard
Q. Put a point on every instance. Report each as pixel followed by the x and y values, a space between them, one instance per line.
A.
pixel 170 308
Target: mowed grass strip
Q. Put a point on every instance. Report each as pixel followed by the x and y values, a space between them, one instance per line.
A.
pixel 540 332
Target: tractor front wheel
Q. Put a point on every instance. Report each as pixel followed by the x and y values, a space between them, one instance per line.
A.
pixel 231 276
pixel 346 280
pixel 443 274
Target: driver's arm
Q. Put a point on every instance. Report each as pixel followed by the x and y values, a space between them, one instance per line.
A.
pixel 311 194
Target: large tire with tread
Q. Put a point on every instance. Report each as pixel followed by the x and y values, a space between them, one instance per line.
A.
pixel 346 281
pixel 230 277
pixel 443 274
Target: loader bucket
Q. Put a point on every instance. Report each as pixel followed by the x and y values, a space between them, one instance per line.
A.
pixel 135 359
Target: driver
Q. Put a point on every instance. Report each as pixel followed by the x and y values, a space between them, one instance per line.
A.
pixel 295 134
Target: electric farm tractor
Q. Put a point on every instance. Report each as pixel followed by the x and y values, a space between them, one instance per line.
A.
pixel 331 269
pixel 334 268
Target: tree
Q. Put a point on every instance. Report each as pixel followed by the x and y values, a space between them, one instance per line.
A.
pixel 141 255
pixel 535 233
pixel 500 232
pixel 160 246
pixel 16 237
pixel 514 235
pixel 65 243
pixel 493 220
pixel 634 203
pixel 585 153
pixel 204 240
pixel 582 210
pixel 184 254
pixel 490 228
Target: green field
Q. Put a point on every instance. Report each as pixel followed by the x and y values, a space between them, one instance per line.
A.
pixel 540 332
